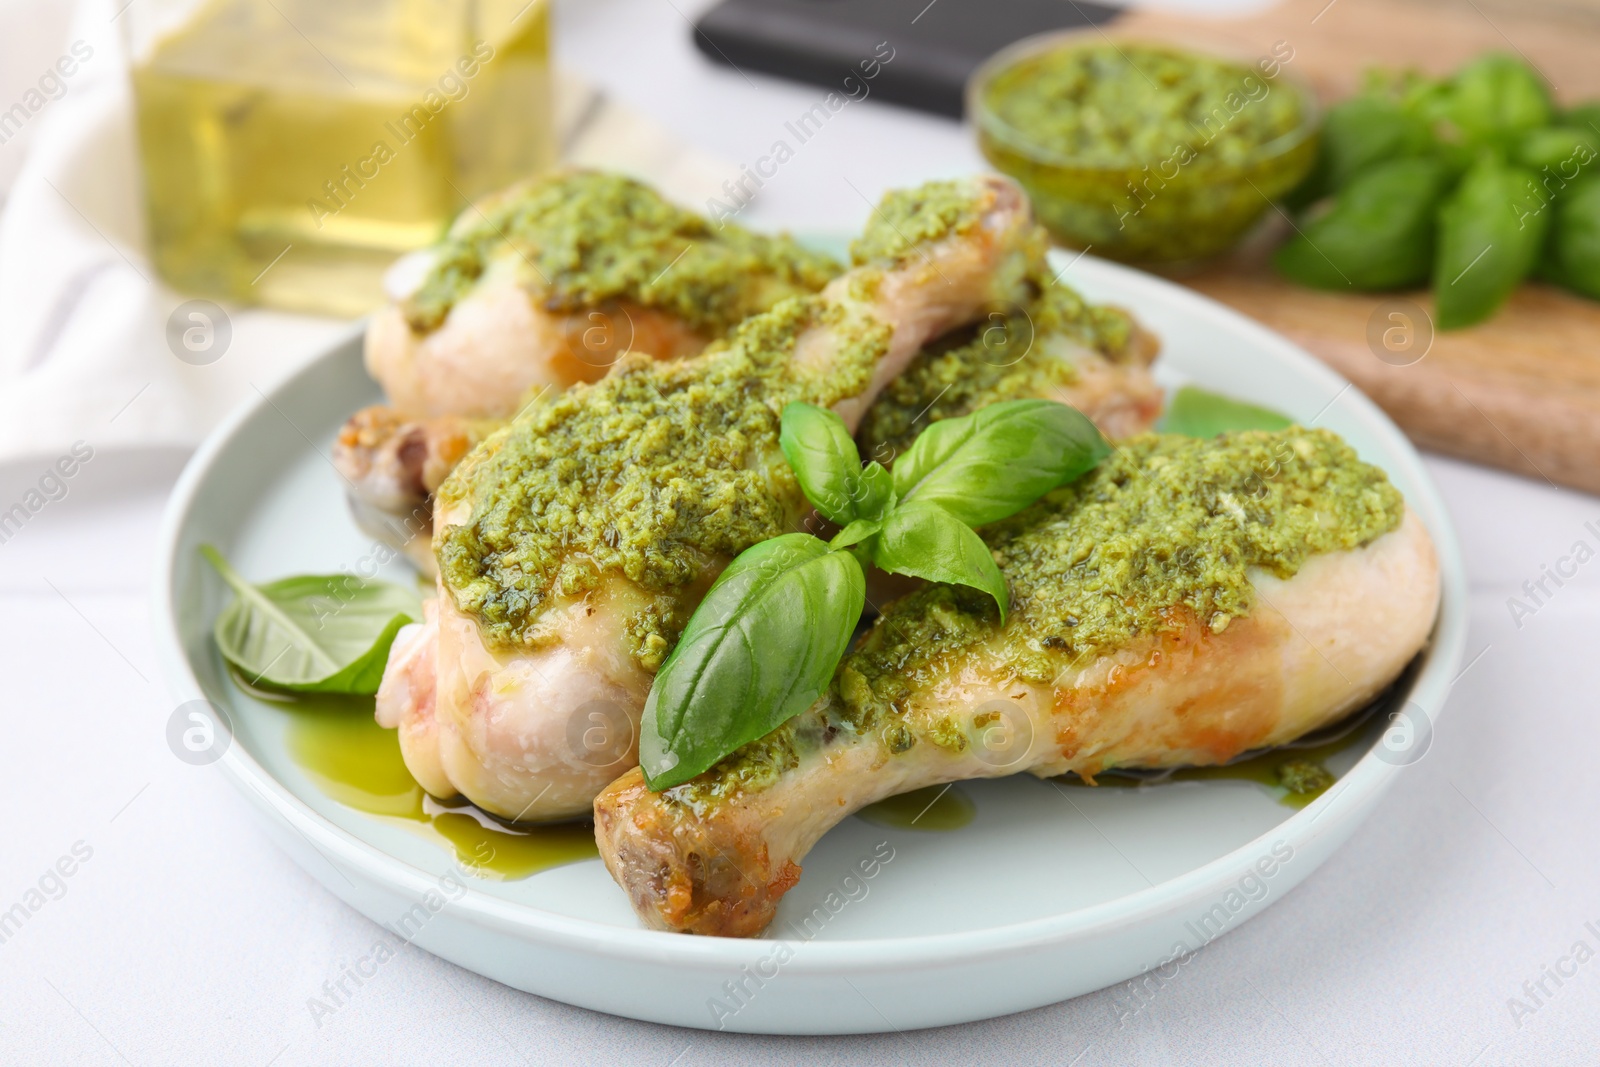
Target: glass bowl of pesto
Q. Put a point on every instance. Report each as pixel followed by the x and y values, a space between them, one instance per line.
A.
pixel 1145 152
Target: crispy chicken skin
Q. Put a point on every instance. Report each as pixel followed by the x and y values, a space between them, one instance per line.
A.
pixel 715 855
pixel 534 730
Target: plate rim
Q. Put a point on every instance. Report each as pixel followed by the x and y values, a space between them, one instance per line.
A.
pixel 1359 787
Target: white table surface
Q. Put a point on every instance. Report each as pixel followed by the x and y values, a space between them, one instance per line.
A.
pixel 186 937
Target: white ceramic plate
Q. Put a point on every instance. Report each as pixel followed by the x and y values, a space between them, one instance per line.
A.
pixel 1047 894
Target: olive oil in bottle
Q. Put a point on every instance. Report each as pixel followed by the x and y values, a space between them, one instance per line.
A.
pixel 292 149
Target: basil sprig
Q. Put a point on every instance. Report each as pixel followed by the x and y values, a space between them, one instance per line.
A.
pixel 764 643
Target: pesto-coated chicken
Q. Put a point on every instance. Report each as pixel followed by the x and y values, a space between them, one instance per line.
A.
pixel 1185 602
pixel 573 544
pixel 552 282
pixel 1054 346
pixel 546 285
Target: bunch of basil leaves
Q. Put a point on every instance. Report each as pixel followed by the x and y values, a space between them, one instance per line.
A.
pixel 1472 182
pixel 764 643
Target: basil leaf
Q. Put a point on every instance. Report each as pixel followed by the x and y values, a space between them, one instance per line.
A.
pixel 922 539
pixel 1357 133
pixel 1560 148
pixel 1197 412
pixel 1585 115
pixel 1495 97
pixel 877 491
pixel 315 633
pixel 1491 231
pixel 760 649
pixel 1379 233
pixel 857 532
pixel 998 460
pixel 823 455
pixel 1574 249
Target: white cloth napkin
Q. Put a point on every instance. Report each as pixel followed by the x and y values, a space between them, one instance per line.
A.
pixel 84 352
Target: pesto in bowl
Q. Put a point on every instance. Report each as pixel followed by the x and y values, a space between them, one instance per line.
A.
pixel 1145 152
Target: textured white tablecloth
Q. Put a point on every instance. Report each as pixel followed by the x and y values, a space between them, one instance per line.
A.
pixel 185 937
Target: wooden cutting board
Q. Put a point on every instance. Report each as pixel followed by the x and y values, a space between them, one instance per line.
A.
pixel 1521 391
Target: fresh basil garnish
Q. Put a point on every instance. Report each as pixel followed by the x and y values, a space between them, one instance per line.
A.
pixel 760 649
pixel 1195 412
pixel 924 540
pixel 764 643
pixel 823 456
pixel 998 460
pixel 315 633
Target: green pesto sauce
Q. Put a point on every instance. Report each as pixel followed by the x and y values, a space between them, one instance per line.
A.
pixel 654 472
pixel 1302 776
pixel 906 219
pixel 584 238
pixel 1005 357
pixel 1165 522
pixel 1111 105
